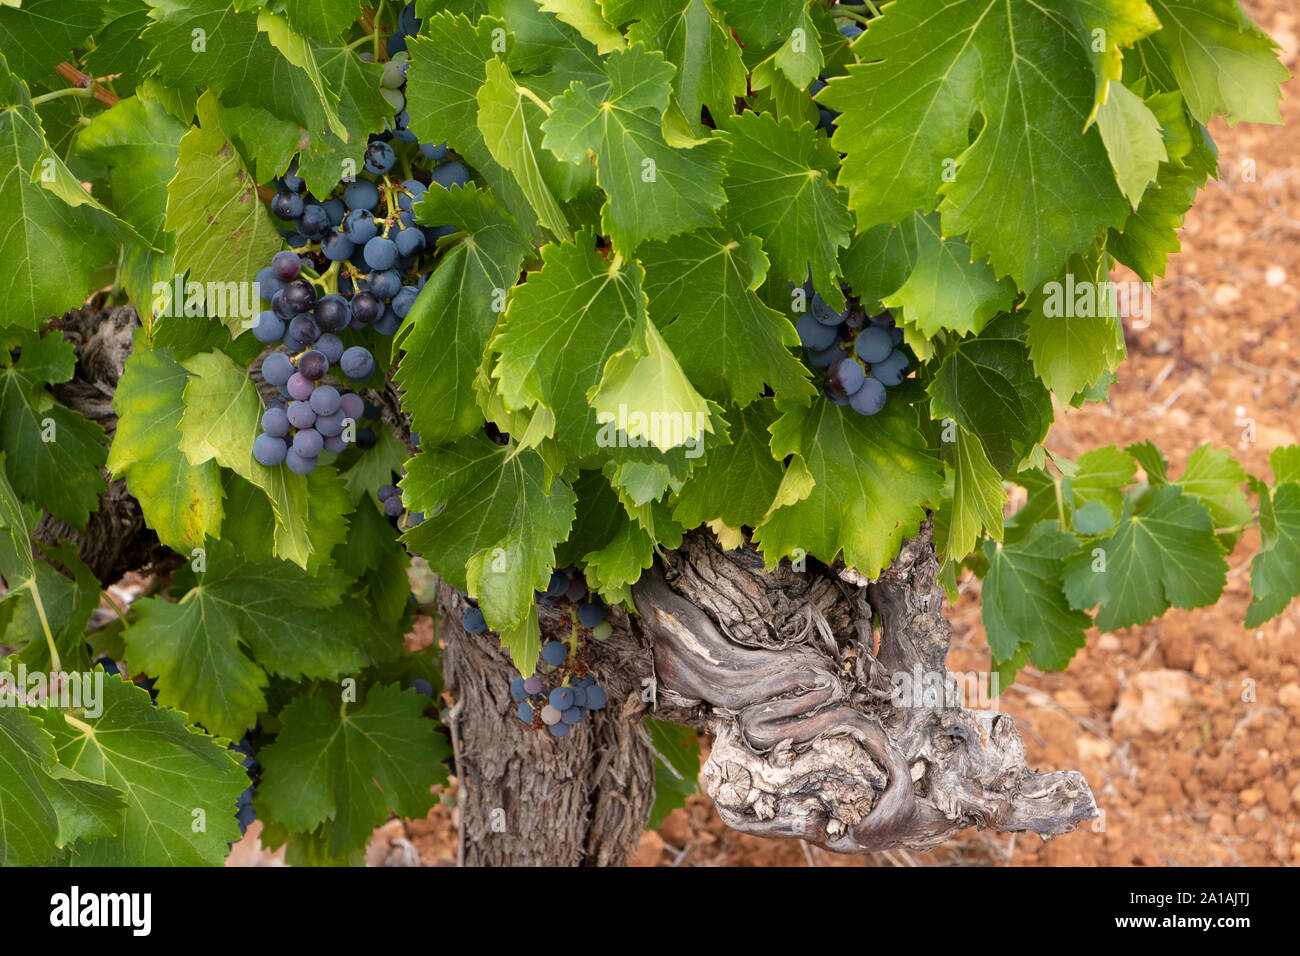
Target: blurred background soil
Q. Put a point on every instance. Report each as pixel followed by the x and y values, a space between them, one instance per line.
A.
pixel 1185 771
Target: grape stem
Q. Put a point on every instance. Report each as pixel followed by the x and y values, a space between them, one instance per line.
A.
pixel 84 92
pixel 541 104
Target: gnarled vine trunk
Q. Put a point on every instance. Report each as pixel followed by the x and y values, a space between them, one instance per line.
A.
pixel 792 671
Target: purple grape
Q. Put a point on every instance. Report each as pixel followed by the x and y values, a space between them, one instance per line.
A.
pixel 366 307
pixel 359 227
pixel 381 253
pixel 533 685
pixel 577 590
pixel 555 653
pixel 286 206
pixel 869 399
pixel 313 365
pixel 331 425
pixel 275 422
pixel 308 442
pixel 357 364
pixel 558 584
pixel 573 715
pixel 525 712
pixel 276 369
pixel 269 450
pixel 517 689
pixel 451 174
pixel 352 405
pixel 303 329
pixel 300 415
pixel 298 464
pixel 337 247
pixel 813 334
pixel 561 698
pixel 331 346
pixel 300 387
pixel 589 615
pixel 404 299
pixel 386 491
pixel 393 507
pixel 873 345
pixel 362 194
pixel 847 375
pixel 595 698
pixel 560 729
pixel 268 327
pixel 286 265
pixel 324 398
pixel 300 295
pixel 892 369
pixel 334 443
pixel 473 621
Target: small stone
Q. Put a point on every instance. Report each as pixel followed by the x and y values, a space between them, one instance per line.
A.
pixel 1275 276
pixel 1251 796
pixel 1153 702
pixel 1226 294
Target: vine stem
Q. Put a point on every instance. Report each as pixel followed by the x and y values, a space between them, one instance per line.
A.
pixel 541 104
pixel 56 664
pixel 81 725
pixel 85 92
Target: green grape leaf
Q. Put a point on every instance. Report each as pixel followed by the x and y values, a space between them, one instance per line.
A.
pixel 974 388
pixel 778 186
pixel 447 330
pixel 1285 462
pixel 214 45
pixel 800 57
pixel 501 517
pixel 646 380
pixel 977 497
pixel 290 620
pixel 761 21
pixel 710 71
pixel 62 450
pixel 51 247
pixel 587 18
pixel 223 235
pixel 1032 188
pixel 171 775
pixel 1165 555
pixel 1275 570
pixel 871 479
pixel 653 190
pixel 1222 61
pixel 344 770
pixel 677 766
pixel 1023 599
pixel 41 33
pixel 1152 460
pixel 509 123
pixel 1215 478
pixel 1133 140
pixel 561 327
pixel 944 289
pixel 879 260
pixel 742 478
pixel 63 603
pixel 524 642
pixel 448 68
pixel 29 822
pixel 702 291
pixel 222 418
pixel 1150 235
pixel 180 501
pixel 322 18
pixel 1101 474
pixel 1073 348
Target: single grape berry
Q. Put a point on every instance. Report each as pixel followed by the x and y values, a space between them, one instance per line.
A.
pixel 308 442
pixel 589 615
pixel 381 253
pixel 365 439
pixel 359 226
pixel 533 685
pixel 366 307
pixel 300 415
pixel 287 206
pixel 300 387
pixel 312 366
pixel 303 329
pixel 555 653
pixel 337 247
pixel 331 426
pixel 362 194
pixel 577 590
pixel 869 399
pixel 558 584
pixel 331 346
pixel 393 507
pixel 873 345
pixel 286 265
pixel 560 729
pixel 276 369
pixel 473 621
pixel 314 221
pixel 379 158
pixel 357 364
pixel 846 375
pixel 595 698
pixel 269 450
pixel 268 327
pixel 275 422
pixel 561 698
pixel 300 295
pixel 451 174
pixel 813 334
pixel 387 283
pixel 517 689
pixel 891 370
pixel 551 715
pixel 386 491
pixel 422 687
pixel 573 715
pixel 525 712
pixel 602 631
pixel 352 405
pixel 298 464
pixel 324 398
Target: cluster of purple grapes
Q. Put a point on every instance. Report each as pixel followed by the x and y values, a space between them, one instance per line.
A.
pixel 244 812
pixel 567 701
pixel 859 353
pixel 315 418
